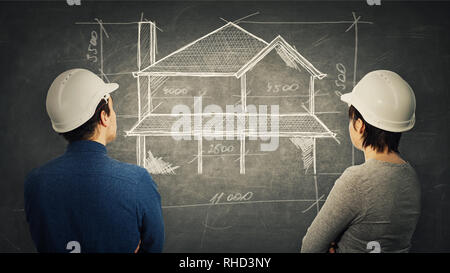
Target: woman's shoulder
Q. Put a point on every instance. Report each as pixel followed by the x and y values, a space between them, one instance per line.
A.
pixel 351 177
pixel 355 171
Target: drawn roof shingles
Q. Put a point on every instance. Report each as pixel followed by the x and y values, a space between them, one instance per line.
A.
pixel 225 50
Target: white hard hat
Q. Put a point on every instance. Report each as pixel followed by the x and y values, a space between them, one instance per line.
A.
pixel 73 97
pixel 385 101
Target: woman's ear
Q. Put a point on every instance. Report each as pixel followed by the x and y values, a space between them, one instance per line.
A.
pixel 359 126
pixel 362 128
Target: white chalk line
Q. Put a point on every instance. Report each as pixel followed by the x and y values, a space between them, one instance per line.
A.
pixel 306 23
pixel 246 202
pixel 314 204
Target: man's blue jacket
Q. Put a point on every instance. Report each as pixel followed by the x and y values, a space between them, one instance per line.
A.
pixel 86 201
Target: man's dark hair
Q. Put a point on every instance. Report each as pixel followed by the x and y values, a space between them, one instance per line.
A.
pixel 377 138
pixel 87 130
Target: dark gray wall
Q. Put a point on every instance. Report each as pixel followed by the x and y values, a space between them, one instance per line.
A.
pixel 40 40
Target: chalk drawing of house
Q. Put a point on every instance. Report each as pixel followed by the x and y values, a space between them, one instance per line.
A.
pixel 232 52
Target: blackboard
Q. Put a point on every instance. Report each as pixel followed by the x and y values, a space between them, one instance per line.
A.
pixel 220 207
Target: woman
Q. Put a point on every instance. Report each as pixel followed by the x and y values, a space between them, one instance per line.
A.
pixel 374 206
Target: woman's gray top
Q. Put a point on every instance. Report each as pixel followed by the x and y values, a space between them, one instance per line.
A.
pixel 373 204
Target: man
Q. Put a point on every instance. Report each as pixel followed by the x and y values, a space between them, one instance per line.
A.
pixel 85 201
pixel 374 206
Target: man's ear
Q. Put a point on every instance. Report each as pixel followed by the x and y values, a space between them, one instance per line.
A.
pixel 104 119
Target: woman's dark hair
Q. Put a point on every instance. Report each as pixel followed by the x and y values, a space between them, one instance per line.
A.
pixel 377 138
pixel 87 130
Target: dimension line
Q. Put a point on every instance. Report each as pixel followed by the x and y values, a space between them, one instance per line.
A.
pixel 245 202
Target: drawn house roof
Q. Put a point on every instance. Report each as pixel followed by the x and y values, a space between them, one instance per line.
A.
pixel 227 51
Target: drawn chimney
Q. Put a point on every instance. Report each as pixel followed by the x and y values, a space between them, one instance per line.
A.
pixel 146 56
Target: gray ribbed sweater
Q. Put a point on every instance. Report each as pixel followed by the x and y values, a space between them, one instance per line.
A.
pixel 375 201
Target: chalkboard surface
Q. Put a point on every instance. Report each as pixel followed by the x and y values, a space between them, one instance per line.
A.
pixel 228 195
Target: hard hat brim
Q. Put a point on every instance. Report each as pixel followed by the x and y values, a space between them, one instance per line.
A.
pixel 347 98
pixel 111 87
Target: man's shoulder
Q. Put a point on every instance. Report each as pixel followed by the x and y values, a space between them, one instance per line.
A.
pixel 112 167
pixel 130 172
pixel 135 174
pixel 48 167
pixel 127 170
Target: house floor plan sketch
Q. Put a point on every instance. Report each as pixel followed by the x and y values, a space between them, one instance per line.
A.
pixel 229 51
